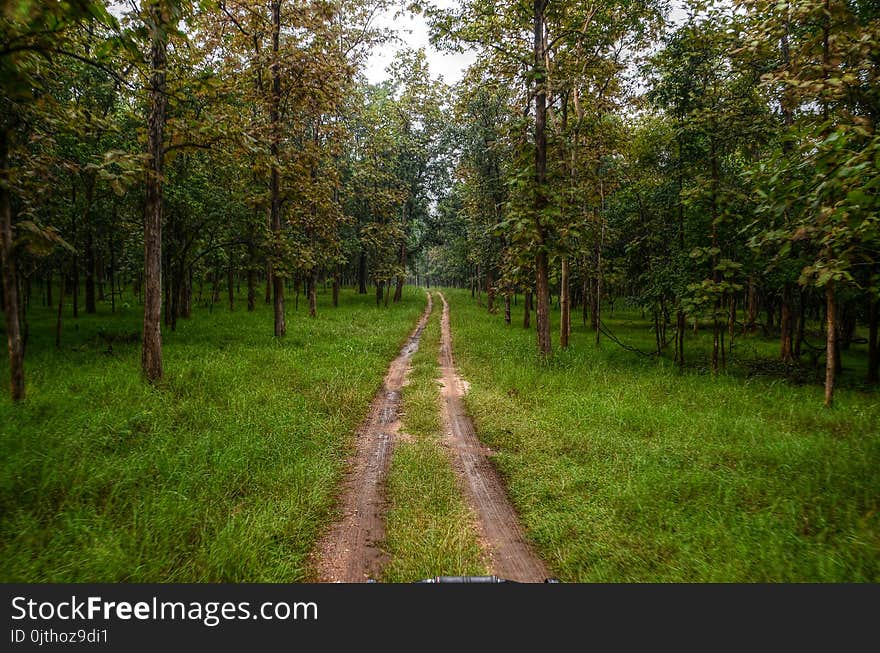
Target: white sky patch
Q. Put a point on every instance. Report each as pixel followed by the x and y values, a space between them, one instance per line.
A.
pixel 412 29
pixel 413 33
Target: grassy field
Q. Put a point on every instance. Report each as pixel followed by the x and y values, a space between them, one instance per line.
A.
pixel 430 530
pixel 625 469
pixel 227 471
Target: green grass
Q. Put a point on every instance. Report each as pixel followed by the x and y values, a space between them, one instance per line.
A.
pixel 227 471
pixel 430 530
pixel 625 469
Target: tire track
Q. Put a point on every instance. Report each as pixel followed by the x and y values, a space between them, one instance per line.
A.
pixel 510 554
pixel 351 551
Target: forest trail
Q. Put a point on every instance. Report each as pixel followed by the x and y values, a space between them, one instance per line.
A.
pixel 511 556
pixel 351 551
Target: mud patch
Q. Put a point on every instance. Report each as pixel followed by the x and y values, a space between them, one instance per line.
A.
pixel 351 551
pixel 497 521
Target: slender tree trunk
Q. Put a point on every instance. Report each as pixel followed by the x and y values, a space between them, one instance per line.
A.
pixel 275 180
pixel 542 308
pixel 91 307
pixel 801 323
pixel 336 287
pixel 230 288
pixel 398 290
pixel 873 344
pixel 786 324
pixel 187 303
pixel 542 263
pixel 490 290
pixel 752 310
pixel 11 299
pixel 831 343
pixel 362 273
pixel 585 298
pixel 268 295
pixel 378 293
pixel 59 315
pixel 527 309
pixel 313 298
pixel 151 345
pixel 680 329
pixel 215 283
pixel 507 307
pixel 113 269
pixel 48 288
pixel 564 305
pixel 170 301
pixel 251 288
pixel 74 275
pixel 99 275
pixel 716 337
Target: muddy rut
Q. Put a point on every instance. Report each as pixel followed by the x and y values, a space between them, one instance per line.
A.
pixel 351 551
pixel 511 556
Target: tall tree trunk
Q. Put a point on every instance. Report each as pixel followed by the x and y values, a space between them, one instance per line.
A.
pixel 60 309
pixel 170 299
pixel 786 324
pixel 679 334
pixel 716 336
pixel 527 309
pixel 99 275
pixel 752 308
pixel 186 303
pixel 48 289
pixel 585 297
pixel 801 323
pixel 151 345
pixel 378 293
pixel 215 279
pixel 113 269
pixel 479 288
pixel 507 307
pixel 731 317
pixel 268 295
pixel 251 288
pixel 91 307
pixel 336 286
pixel 275 180
pixel 490 290
pixel 11 299
pixel 313 297
pixel 873 344
pixel 398 290
pixel 831 343
pixel 564 305
pixel 230 280
pixel 542 263
pixel 362 273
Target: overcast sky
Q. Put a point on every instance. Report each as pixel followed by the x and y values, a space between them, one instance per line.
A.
pixel 413 32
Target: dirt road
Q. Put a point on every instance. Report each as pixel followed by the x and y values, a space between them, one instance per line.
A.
pixel 350 552
pixel 500 530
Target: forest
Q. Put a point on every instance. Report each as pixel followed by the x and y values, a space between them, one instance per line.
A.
pixel 651 230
